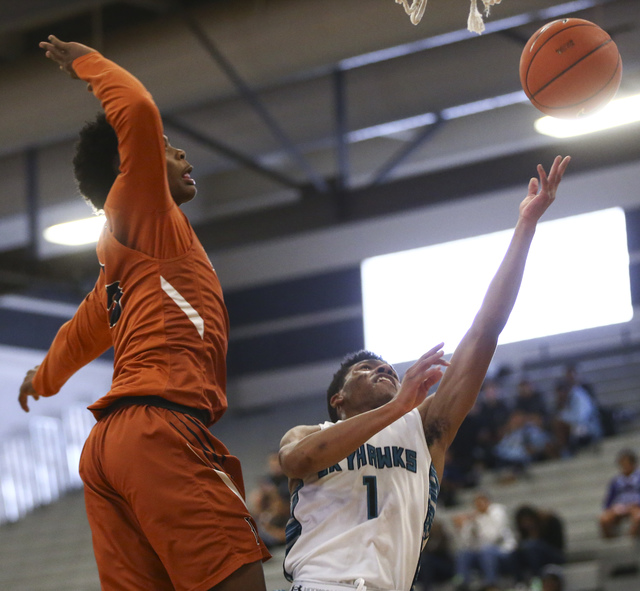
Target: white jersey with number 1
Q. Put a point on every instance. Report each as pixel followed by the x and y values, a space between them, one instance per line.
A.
pixel 368 516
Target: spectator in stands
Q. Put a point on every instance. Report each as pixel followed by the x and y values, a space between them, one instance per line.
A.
pixel 461 469
pixel 540 542
pixel 606 414
pixel 493 414
pixel 437 563
pixel 486 542
pixel 513 452
pixel 553 578
pixel 269 504
pixel 623 497
pixel 523 441
pixel 577 421
pixel 531 401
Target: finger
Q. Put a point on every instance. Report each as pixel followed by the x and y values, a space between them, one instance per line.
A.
pixel 544 179
pixel 533 186
pixel 563 165
pixel 433 350
pixel 60 45
pixel 22 399
pixel 432 376
pixel 427 358
pixel 554 167
pixel 431 357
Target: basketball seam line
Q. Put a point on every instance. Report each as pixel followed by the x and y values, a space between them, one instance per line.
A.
pixel 584 57
pixel 590 97
pixel 537 51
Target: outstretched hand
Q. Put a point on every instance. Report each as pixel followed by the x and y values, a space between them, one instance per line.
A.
pixel 423 374
pixel 64 53
pixel 27 389
pixel 542 193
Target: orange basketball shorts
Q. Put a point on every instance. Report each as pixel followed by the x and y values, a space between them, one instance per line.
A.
pixel 165 502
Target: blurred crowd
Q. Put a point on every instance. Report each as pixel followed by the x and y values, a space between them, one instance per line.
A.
pixel 509 429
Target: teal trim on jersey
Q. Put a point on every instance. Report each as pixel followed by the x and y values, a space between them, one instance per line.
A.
pixel 434 491
pixel 293 529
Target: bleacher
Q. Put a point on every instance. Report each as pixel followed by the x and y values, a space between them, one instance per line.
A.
pixel 574 489
pixel 50 548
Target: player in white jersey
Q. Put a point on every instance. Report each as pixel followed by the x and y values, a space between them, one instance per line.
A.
pixel 364 486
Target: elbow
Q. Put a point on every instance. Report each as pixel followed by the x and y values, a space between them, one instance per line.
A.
pixel 295 464
pixel 142 110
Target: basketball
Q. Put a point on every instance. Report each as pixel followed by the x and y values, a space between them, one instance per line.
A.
pixel 570 68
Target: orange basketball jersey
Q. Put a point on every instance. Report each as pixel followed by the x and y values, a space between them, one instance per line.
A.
pixel 157 299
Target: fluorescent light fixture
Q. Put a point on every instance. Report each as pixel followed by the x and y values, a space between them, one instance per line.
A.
pixel 577 277
pixel 75 233
pixel 616 113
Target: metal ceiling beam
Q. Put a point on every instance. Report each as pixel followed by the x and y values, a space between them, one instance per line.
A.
pixel 252 98
pixel 77 270
pixel 386 169
pixel 342 145
pixel 32 188
pixel 230 153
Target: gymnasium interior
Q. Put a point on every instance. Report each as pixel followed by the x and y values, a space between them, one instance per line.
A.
pixel 322 134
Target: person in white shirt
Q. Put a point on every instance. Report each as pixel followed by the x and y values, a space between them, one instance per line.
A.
pixel 364 485
pixel 486 542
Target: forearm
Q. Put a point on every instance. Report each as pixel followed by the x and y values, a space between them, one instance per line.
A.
pixel 119 91
pixel 462 381
pixel 325 447
pixel 505 285
pixel 79 341
pixel 65 357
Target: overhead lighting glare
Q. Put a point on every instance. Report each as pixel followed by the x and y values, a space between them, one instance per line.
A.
pixel 616 113
pixel 77 232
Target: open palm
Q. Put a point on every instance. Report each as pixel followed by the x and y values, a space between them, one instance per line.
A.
pixel 542 193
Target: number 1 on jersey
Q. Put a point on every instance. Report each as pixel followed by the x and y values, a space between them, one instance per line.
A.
pixel 372 496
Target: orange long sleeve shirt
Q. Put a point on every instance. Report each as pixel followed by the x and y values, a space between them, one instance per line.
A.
pixel 157 300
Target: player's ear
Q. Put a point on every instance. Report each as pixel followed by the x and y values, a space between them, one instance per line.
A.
pixel 337 399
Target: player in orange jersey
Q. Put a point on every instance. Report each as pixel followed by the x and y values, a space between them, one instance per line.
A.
pixel 165 499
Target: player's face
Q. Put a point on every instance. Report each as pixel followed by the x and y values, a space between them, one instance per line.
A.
pixel 181 185
pixel 368 385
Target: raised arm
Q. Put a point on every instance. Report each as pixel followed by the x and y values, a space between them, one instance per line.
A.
pixel 308 448
pixel 80 340
pixel 140 209
pixel 444 412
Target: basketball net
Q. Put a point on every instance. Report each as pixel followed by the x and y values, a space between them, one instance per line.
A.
pixel 415 10
pixel 475 23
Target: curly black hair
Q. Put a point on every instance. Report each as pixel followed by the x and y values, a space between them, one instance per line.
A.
pixel 94 163
pixel 339 377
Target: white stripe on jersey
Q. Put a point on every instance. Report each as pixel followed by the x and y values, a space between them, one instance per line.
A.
pixel 185 306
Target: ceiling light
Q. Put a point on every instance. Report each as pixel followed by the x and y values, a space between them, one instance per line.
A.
pixel 77 232
pixel 616 113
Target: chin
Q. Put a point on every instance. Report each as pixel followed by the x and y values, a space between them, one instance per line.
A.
pixel 184 196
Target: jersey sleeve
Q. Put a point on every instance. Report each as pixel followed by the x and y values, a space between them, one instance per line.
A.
pixel 80 340
pixel 140 210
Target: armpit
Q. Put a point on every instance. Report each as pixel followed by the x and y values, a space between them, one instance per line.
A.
pixel 435 429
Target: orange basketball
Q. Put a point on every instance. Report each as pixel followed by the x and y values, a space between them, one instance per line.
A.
pixel 570 68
